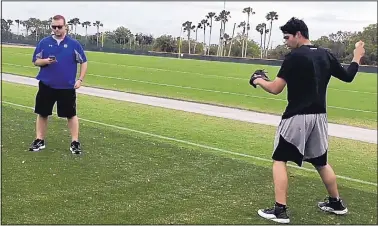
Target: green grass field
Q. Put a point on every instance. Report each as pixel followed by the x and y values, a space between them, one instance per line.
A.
pixel 209 82
pixel 140 168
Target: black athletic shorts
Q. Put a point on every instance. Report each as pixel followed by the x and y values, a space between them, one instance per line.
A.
pixel 302 138
pixel 47 96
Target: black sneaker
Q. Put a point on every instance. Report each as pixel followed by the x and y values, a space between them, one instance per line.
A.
pixel 37 145
pixel 75 147
pixel 276 214
pixel 333 206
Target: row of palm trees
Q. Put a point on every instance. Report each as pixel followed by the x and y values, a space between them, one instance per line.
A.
pixel 72 23
pixel 37 26
pixel 225 38
pixel 37 29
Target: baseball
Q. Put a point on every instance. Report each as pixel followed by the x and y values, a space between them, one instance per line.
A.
pixel 358 44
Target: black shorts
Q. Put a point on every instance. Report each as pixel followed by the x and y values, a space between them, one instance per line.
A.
pixel 47 96
pixel 302 138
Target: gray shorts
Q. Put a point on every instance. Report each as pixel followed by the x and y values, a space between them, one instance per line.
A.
pixel 302 138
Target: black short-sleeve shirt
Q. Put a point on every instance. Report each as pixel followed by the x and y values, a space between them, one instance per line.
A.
pixel 307 71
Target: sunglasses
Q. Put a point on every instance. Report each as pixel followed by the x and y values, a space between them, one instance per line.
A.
pixel 55 27
pixel 286 37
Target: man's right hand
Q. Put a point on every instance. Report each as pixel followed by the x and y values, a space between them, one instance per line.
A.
pixel 49 61
pixel 359 51
pixel 43 62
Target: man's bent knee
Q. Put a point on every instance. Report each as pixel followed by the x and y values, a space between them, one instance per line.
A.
pixel 319 167
pixel 279 161
pixel 43 116
pixel 71 117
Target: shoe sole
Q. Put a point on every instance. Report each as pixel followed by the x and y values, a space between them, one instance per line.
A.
pixel 74 152
pixel 273 217
pixel 38 149
pixel 337 212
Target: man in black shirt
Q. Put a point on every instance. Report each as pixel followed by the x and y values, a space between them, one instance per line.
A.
pixel 303 131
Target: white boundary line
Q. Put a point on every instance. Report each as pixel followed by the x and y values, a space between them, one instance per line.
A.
pixel 200 145
pixel 200 89
pixel 196 73
pixel 154 69
pixel 337 130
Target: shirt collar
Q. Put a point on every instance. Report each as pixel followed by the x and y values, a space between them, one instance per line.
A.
pixel 65 39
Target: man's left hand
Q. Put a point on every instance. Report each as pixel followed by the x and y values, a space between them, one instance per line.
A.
pixel 77 84
pixel 257 75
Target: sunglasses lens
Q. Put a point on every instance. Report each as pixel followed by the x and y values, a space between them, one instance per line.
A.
pixel 55 27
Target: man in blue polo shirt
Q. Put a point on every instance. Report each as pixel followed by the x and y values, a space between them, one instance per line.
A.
pixel 58 56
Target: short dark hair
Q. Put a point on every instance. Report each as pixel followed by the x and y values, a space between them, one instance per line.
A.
pixel 59 17
pixel 293 26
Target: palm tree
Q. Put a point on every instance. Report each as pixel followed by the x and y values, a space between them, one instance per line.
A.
pixel 199 26
pixel 218 18
pixel 232 38
pixel 205 23
pixel 266 31
pixel 270 17
pixel 226 38
pixel 226 15
pixel 45 27
pixel 75 22
pixel 242 25
pixel 210 16
pixel 18 26
pixel 4 25
pixel 70 24
pixel 50 21
pixel 9 22
pixel 188 27
pixel 98 24
pixel 223 18
pixel 35 25
pixel 179 40
pixel 260 29
pixel 86 24
pixel 27 25
pixel 249 12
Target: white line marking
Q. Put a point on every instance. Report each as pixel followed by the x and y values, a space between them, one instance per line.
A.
pixel 160 69
pixel 155 69
pixel 187 87
pixel 199 145
pixel 200 89
pixel 352 91
pixel 196 73
pixel 337 130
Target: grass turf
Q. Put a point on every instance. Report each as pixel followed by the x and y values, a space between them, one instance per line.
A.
pixel 125 177
pixel 209 82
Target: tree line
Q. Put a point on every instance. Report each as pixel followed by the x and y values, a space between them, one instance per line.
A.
pixel 237 44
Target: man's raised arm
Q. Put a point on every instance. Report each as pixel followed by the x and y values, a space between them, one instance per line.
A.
pixel 347 75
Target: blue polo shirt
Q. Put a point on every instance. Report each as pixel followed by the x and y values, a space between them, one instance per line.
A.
pixel 68 53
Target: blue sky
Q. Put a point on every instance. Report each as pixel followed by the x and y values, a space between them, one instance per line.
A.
pixel 159 18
